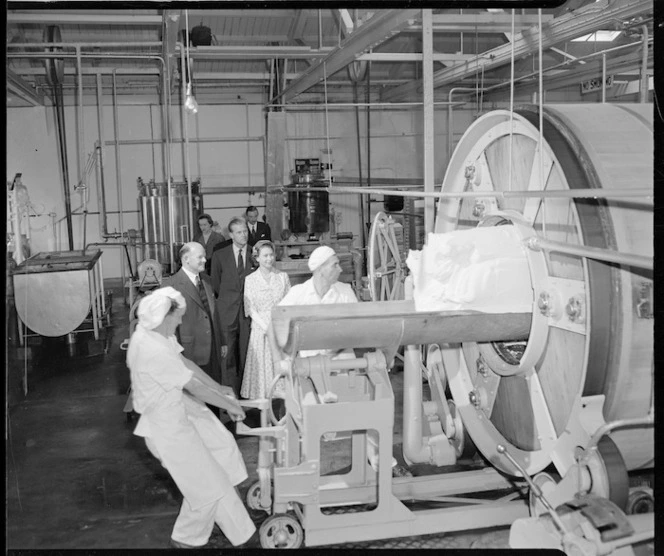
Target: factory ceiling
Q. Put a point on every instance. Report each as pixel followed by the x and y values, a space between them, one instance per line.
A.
pixel 319 55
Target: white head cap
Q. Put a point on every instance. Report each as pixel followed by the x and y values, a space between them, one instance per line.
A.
pixel 154 307
pixel 319 256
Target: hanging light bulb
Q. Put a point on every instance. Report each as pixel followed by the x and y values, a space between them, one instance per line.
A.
pixel 190 102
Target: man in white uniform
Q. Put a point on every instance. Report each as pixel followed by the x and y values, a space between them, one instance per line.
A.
pixel 322 288
pixel 200 454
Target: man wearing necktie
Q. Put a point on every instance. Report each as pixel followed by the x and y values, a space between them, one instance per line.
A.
pixel 258 231
pixel 230 265
pixel 200 333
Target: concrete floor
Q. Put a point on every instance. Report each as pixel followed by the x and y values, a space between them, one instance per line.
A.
pixel 77 478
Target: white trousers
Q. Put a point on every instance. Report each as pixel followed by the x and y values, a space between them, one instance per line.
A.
pixel 194 527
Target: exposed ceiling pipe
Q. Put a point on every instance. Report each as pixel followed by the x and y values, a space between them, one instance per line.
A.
pixel 74 45
pixel 118 170
pixel 378 29
pixel 54 75
pixel 101 185
pixel 566 64
pixel 561 29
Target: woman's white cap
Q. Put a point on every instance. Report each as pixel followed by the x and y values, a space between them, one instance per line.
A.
pixel 154 307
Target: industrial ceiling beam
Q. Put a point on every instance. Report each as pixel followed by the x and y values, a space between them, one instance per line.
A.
pixel 481 23
pixel 59 17
pixel 561 29
pixel 21 88
pixel 575 75
pixel 411 57
pixel 297 26
pixel 256 52
pixel 140 70
pixel 383 25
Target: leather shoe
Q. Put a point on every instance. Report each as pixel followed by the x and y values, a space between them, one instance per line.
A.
pixel 178 544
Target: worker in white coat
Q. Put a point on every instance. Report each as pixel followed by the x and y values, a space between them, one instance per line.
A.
pixel 201 455
pixel 322 288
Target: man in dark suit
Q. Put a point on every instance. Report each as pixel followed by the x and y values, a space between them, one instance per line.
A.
pixel 200 333
pixel 230 266
pixel 257 230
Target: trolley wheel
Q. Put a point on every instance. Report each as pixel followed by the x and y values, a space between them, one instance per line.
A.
pixel 281 531
pixel 641 500
pixel 253 499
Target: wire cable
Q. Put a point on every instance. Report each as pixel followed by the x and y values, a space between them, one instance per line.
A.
pixel 327 127
pixel 509 179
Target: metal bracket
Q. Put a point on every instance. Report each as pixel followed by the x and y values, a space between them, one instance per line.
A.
pixel 297 484
pixel 611 523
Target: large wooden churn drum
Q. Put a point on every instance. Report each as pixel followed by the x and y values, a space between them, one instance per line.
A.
pixel 604 344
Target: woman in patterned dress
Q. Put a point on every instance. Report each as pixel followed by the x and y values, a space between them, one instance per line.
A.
pixel 263 289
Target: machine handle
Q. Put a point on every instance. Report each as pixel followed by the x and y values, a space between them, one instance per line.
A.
pixel 537 491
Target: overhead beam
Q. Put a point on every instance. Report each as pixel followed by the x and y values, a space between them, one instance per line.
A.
pixel 481 23
pixel 561 29
pixel 411 57
pixel 296 28
pixel 141 70
pixel 557 79
pixel 21 88
pixel 47 17
pixel 256 52
pixel 383 25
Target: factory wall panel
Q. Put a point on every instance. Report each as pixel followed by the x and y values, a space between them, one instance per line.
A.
pixel 34 152
pixel 396 151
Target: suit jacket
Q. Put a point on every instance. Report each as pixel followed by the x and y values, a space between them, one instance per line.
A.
pixel 221 245
pixel 197 332
pixel 262 232
pixel 228 284
pixel 214 240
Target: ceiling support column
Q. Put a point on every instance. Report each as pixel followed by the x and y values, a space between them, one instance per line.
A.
pixel 427 92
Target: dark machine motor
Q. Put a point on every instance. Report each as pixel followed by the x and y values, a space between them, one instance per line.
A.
pixel 309 209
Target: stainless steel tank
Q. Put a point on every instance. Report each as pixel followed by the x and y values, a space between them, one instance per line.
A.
pixel 309 209
pixel 155 223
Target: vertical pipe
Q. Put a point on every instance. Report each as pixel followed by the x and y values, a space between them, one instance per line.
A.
pixel 510 160
pixel 414 450
pixel 169 176
pixel 320 30
pixel 93 302
pixel 185 135
pixel 643 88
pixel 541 118
pixel 428 113
pixel 100 145
pixel 359 143
pixel 365 217
pixel 60 115
pixel 16 222
pixel 603 78
pixel 118 178
pixel 81 138
pixel 246 109
pixel 449 117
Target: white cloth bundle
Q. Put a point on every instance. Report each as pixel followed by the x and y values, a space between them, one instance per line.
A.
pixel 483 269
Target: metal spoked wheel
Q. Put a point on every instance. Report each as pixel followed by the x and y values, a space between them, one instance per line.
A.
pixel 386 272
pixel 253 499
pixel 281 531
